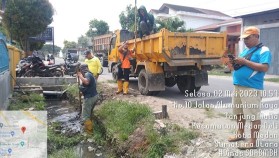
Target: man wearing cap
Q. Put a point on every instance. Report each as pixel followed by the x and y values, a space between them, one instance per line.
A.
pixel 89 91
pixel 93 63
pixel 248 84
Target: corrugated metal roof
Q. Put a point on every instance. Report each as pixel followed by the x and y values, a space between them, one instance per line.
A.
pixel 190 9
pixel 216 25
pixel 258 13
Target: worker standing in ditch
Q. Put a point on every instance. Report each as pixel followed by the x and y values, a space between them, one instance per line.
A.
pixel 89 91
pixel 124 68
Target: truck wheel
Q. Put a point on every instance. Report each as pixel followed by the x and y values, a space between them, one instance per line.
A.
pixel 143 83
pixel 186 83
pixel 170 82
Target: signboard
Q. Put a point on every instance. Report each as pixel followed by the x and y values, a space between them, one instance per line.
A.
pixel 47 35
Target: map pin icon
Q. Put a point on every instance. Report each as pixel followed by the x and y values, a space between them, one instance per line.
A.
pixel 22 143
pixel 23 129
pixel 9 150
pixel 1 125
pixel 12 133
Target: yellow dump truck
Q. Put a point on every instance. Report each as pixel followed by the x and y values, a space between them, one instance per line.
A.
pixel 168 58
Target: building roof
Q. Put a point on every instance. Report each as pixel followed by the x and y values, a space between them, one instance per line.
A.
pixel 189 9
pixel 236 21
pixel 155 11
pixel 258 13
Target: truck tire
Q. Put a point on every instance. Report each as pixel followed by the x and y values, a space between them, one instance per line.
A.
pixel 170 82
pixel 143 83
pixel 187 83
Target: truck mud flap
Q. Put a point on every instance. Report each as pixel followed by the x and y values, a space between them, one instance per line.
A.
pixel 201 79
pixel 156 82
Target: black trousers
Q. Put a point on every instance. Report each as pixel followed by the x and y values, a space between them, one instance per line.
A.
pixel 123 73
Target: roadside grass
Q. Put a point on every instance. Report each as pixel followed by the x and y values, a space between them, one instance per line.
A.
pixel 221 114
pixel 111 81
pixel 72 89
pixel 272 80
pixel 219 72
pixel 57 140
pixel 169 141
pixel 121 119
pixel 68 153
pixel 26 101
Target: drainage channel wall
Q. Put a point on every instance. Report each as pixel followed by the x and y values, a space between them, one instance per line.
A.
pixel 45 81
pixel 5 89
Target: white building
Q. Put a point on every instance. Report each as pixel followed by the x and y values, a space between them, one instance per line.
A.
pixel 192 17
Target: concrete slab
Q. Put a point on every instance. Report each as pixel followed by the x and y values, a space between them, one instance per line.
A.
pixel 45 81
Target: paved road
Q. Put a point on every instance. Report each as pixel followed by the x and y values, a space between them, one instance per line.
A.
pixel 218 92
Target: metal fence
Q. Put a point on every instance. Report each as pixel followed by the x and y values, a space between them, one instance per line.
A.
pixel 4 56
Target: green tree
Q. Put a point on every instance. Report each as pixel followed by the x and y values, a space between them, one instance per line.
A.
pixel 27 18
pixel 69 45
pixel 127 18
pixel 83 42
pixel 172 24
pixel 36 45
pixel 97 27
pixel 2 29
pixel 48 48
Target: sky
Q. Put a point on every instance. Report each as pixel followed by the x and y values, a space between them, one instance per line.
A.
pixel 71 17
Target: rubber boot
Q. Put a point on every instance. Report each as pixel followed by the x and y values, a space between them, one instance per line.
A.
pixel 88 126
pixel 120 86
pixel 125 87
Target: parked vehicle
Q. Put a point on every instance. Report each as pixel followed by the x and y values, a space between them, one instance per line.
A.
pixel 72 54
pixel 169 58
pixel 70 67
pixel 23 66
pixel 50 59
pixel 38 68
pixel 101 46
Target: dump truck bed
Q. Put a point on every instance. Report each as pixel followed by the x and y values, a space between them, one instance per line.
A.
pixel 181 49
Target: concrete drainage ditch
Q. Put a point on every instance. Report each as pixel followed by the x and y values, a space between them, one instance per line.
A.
pixel 60 111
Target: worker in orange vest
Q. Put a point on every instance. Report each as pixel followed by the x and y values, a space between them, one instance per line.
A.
pixel 124 68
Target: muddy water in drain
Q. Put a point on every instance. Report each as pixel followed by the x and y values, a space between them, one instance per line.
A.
pixel 67 115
